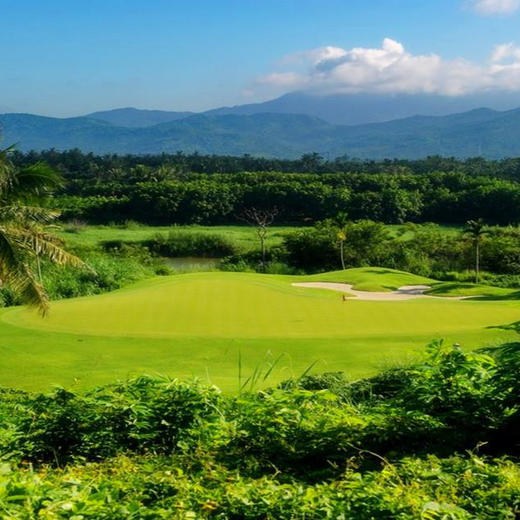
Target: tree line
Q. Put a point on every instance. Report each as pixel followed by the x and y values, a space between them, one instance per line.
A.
pixel 75 163
pixel 301 199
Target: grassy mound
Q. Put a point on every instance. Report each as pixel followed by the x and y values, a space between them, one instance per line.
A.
pixel 372 278
pixel 200 323
pixel 450 289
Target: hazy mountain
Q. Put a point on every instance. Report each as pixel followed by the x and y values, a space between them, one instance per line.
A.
pixel 485 132
pixel 355 109
pixel 30 132
pixel 135 118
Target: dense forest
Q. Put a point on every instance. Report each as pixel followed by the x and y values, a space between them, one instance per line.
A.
pixel 190 189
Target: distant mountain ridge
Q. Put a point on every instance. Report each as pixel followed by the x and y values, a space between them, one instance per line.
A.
pixel 137 118
pixel 481 132
pixel 337 109
pixel 358 109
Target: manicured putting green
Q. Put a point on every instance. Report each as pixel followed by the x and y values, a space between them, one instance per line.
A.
pixel 195 324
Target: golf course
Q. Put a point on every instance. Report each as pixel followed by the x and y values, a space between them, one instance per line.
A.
pixel 219 326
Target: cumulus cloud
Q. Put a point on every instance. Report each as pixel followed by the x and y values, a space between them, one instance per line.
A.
pixel 392 69
pixel 491 7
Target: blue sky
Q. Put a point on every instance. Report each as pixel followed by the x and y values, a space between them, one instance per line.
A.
pixel 71 57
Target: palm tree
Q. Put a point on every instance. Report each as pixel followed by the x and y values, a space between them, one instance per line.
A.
pixel 341 222
pixel 341 235
pixel 24 229
pixel 476 230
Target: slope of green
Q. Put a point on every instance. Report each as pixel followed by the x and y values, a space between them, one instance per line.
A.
pixel 197 324
pixel 473 290
pixel 372 278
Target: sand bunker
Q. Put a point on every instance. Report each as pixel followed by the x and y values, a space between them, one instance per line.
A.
pixel 407 292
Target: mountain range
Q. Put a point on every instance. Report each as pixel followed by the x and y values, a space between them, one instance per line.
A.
pixel 286 127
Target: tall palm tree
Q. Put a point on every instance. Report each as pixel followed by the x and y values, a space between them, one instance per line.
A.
pixel 342 236
pixel 476 230
pixel 24 229
pixel 341 222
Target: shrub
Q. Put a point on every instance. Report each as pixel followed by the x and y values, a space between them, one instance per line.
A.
pixel 190 243
pixel 142 414
pixel 397 445
pixel 110 270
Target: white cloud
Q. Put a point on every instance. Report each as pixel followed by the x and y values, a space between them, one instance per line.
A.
pixel 505 51
pixel 491 7
pixel 392 69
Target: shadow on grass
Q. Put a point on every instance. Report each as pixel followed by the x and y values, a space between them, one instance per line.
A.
pixel 381 271
pixel 515 295
pixel 480 292
pixel 515 327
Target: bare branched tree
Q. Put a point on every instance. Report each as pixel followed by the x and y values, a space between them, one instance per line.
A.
pixel 261 219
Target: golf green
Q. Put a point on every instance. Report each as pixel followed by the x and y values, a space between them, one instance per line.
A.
pixel 200 324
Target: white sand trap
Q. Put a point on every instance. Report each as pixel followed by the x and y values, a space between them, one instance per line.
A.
pixel 406 292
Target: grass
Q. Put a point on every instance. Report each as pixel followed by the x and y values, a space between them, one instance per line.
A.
pixel 406 231
pixel 372 278
pixel 473 290
pixel 199 324
pixel 244 236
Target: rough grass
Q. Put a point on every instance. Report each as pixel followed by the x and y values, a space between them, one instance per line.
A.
pixel 200 324
pixel 244 236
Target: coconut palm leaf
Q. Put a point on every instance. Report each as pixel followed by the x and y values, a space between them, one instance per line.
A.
pixel 27 214
pixel 16 273
pixel 25 237
pixel 35 180
pixel 46 245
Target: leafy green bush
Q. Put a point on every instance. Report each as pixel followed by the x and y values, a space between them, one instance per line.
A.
pixel 276 262
pixel 108 271
pixel 142 414
pixel 399 445
pixel 190 243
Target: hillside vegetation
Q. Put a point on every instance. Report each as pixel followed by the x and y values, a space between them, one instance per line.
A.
pixel 482 132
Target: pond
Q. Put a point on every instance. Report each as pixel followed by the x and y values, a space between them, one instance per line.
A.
pixel 192 263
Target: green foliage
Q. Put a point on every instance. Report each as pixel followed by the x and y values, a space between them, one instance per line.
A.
pixel 427 250
pixel 109 271
pixel 141 415
pixel 159 448
pixel 192 243
pixel 446 196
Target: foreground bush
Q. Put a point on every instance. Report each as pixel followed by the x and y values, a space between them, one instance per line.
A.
pixel 140 415
pixel 437 440
pixel 461 487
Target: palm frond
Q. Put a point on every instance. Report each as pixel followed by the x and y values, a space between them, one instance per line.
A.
pixel 36 214
pixel 23 282
pixel 23 237
pixel 37 180
pixel 47 245
pixel 16 273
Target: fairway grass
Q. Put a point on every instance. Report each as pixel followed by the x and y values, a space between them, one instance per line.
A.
pixel 196 325
pixel 244 237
